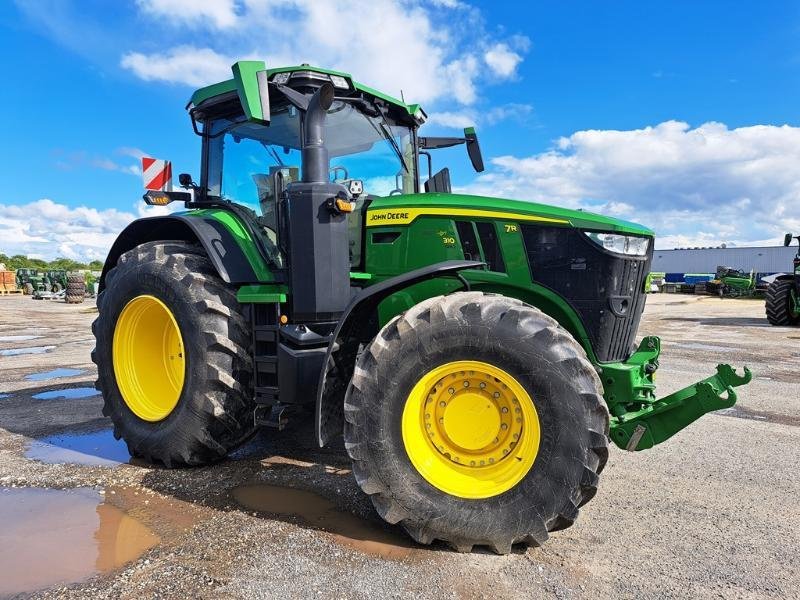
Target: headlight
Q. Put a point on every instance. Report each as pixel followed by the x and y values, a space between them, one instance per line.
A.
pixel 621 244
pixel 339 82
pixel 281 78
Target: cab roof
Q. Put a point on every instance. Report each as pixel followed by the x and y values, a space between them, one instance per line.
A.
pixel 235 84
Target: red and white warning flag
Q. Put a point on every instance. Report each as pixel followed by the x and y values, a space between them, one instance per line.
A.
pixel 157 174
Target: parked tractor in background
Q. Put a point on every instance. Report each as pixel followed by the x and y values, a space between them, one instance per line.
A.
pixel 56 280
pixel 32 280
pixel 730 282
pixel 783 294
pixel 476 354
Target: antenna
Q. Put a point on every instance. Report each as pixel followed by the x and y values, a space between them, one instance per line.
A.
pixel 403 98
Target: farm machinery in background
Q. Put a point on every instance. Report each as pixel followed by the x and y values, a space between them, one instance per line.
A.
pixel 730 283
pixel 54 284
pixel 783 294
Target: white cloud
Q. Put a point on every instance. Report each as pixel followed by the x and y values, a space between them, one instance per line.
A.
pixel 182 64
pixel 469 116
pixel 219 13
pixel 502 60
pixel 49 229
pixel 700 186
pixel 430 51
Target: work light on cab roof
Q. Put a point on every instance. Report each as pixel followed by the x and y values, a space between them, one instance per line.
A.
pixel 477 354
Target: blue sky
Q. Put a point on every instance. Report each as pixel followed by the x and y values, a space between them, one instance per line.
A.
pixel 681 115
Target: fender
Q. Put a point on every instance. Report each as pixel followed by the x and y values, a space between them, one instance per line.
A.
pixel 358 324
pixel 221 244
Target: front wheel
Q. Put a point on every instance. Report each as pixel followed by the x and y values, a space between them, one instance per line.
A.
pixel 477 420
pixel 173 356
pixel 781 303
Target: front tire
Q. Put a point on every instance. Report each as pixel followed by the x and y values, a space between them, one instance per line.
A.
pixel 173 356
pixel 779 303
pixel 535 402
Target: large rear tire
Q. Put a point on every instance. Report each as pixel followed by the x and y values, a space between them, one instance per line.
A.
pixel 477 420
pixel 779 303
pixel 173 356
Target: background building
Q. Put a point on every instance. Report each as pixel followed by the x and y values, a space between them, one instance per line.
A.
pixel 764 260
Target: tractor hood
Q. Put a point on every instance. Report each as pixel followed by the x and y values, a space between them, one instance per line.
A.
pixel 403 209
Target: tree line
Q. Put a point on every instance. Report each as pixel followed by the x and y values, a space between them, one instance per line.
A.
pixel 18 261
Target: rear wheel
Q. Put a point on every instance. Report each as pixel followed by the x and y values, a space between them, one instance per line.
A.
pixel 780 303
pixel 477 420
pixel 27 289
pixel 173 356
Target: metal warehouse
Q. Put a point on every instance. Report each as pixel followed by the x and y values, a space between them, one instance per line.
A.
pixel 764 260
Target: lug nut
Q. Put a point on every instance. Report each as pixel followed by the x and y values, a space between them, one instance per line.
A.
pixel 452 391
pixel 442 403
pixel 504 410
pixel 482 385
pixel 466 384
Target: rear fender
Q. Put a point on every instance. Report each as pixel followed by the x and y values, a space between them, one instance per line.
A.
pixel 222 248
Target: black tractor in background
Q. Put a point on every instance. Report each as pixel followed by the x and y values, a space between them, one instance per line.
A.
pixel 783 294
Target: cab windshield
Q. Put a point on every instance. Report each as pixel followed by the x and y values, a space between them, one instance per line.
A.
pixel 243 158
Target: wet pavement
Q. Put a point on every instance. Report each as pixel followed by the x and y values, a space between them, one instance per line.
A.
pixel 67 393
pixel 21 351
pixel 52 537
pixel 54 374
pixel 97 448
pixel 321 513
pixel 710 513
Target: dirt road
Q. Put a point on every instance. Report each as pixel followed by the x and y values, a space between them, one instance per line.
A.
pixel 711 513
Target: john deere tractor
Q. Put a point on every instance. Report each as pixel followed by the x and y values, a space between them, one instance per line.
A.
pixel 476 354
pixel 783 294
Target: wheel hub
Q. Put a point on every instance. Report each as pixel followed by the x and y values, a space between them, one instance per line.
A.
pixel 472 418
pixel 148 356
pixel 470 429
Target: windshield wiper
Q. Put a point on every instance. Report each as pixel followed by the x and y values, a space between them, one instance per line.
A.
pixel 387 135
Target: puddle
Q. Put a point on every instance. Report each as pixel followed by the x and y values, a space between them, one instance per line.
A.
pixel 2 396
pixel 741 412
pixel 320 513
pixel 31 350
pixel 55 374
pixel 18 338
pixel 97 449
pixel 52 537
pixel 707 347
pixel 68 393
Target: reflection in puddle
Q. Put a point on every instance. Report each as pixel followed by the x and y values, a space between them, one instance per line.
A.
pixel 18 338
pixel 69 393
pixel 52 537
pixel 5 396
pixel 759 415
pixel 31 350
pixel 98 448
pixel 321 513
pixel 54 374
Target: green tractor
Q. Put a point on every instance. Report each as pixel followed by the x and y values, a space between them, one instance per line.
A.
pixel 31 280
pixel 57 280
pixel 476 354
pixel 729 282
pixel 783 294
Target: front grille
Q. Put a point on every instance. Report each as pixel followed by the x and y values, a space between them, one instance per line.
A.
pixel 606 290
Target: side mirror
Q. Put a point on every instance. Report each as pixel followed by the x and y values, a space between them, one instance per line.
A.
pixel 439 183
pixel 474 149
pixel 185 180
pixel 787 239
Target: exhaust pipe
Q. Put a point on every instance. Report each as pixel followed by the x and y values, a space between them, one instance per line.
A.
pixel 316 162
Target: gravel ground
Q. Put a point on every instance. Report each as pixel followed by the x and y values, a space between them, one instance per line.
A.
pixel 710 513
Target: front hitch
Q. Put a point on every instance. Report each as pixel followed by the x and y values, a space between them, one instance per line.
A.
pixel 640 421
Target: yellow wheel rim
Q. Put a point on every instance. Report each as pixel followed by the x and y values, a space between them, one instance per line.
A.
pixel 149 360
pixel 470 429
